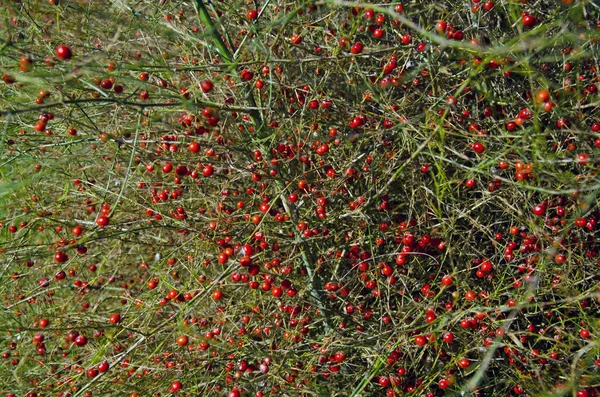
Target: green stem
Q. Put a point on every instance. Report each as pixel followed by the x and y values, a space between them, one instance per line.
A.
pixel 226 54
pixel 212 31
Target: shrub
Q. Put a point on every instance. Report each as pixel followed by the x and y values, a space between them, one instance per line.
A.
pixel 301 198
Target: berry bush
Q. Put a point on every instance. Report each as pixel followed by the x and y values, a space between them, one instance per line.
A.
pixel 315 198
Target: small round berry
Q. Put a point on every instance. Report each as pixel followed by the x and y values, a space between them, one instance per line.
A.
pixel 176 386
pixel 464 363
pixel 102 221
pixel 217 295
pixel 529 21
pixel 206 86
pixel 63 52
pixel 115 318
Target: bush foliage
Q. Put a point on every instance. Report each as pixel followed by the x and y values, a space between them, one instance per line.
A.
pixel 299 198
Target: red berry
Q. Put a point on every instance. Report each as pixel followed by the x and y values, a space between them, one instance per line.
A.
pixel 384 381
pixel 63 52
pixel 478 147
pixel 217 295
pixel 176 386
pixel 115 318
pixel 464 363
pixel 208 170
pixel 583 158
pixel 80 340
pixel 26 64
pixel 296 39
pixel 206 86
pixel 102 221
pixel 277 292
pixel 420 340
pixel 103 366
pixel 60 257
pixel 92 372
pixel 539 210
pixel 357 47
pixel 488 5
pixel 252 15
pixel 529 21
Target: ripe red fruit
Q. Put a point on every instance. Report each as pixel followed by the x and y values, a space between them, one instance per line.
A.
pixel 529 21
pixel 384 381
pixel 448 337
pixel 539 210
pixel 182 340
pixel 478 147
pixel 8 79
pixel 217 295
pixel 80 340
pixel 583 158
pixel 206 86
pixel 440 27
pixel 357 47
pixel 60 257
pixel 296 39
pixel 488 5
pixel 208 170
pixel 115 318
pixel 92 372
pixel 181 170
pixel 103 366
pixel 464 363
pixel 176 386
pixel 63 52
pixel 542 96
pixel 106 84
pixel 340 356
pixel 277 292
pixel 447 280
pixel 102 221
pixel 223 258
pixel 252 15
pixel 246 75
pixel 26 64
pixel 420 340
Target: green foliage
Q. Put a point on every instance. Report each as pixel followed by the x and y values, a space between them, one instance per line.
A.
pixel 318 195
